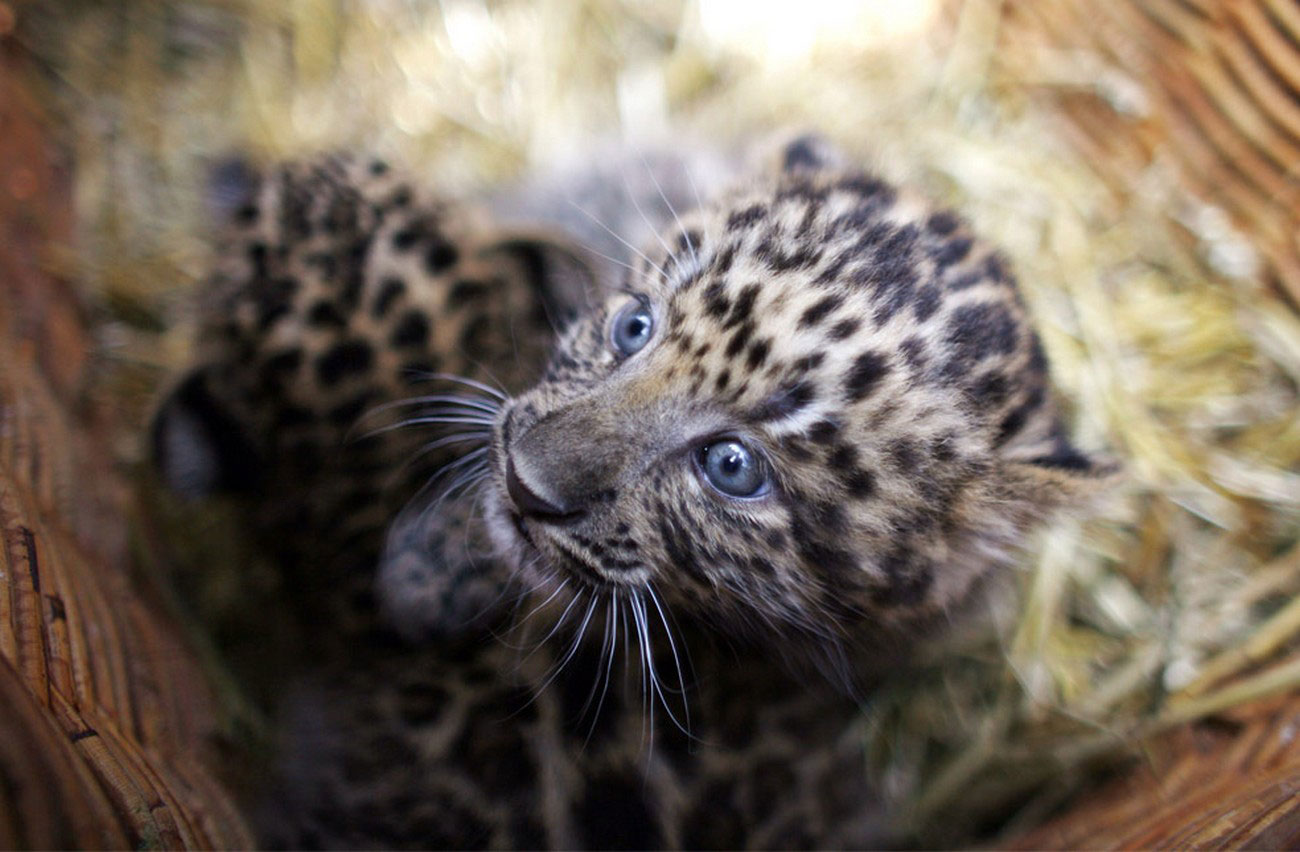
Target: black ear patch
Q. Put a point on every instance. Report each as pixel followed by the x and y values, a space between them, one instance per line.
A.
pixel 1063 456
pixel 809 152
pixel 198 448
pixel 232 190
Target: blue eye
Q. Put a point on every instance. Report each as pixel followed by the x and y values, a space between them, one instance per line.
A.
pixel 633 327
pixel 732 468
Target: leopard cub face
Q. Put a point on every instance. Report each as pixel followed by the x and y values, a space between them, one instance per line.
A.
pixel 814 408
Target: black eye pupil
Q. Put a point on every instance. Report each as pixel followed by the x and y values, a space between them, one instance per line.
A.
pixel 731 468
pixel 632 328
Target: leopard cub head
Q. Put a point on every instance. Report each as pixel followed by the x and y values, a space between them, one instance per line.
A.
pixel 815 407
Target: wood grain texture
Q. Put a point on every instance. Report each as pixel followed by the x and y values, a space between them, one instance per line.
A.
pixel 1230 784
pixel 1218 87
pixel 105 719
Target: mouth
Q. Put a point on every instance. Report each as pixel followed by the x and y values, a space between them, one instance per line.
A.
pixel 521 528
pixel 532 527
pixel 578 566
pixel 555 552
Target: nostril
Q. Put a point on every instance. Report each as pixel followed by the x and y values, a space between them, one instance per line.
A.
pixel 533 505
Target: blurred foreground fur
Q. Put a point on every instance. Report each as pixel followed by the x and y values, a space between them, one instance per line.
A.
pixel 1169 346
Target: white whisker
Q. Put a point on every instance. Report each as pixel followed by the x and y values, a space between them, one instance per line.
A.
pixel 454 438
pixel 474 383
pixel 489 405
pixel 695 190
pixel 668 252
pixel 689 243
pixel 425 421
pixel 559 622
pixel 608 647
pixel 633 248
pixel 638 609
pixel 544 603
pixel 465 477
pixel 615 260
pixel 672 644
pixel 475 435
pixel 573 649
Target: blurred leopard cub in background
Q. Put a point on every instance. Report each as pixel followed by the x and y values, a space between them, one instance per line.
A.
pixel 709 455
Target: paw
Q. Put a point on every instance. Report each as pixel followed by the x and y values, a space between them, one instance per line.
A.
pixel 433 580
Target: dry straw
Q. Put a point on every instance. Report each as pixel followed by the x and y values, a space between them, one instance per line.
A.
pixel 1173 601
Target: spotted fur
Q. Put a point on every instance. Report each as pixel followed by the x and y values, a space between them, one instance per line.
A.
pixel 684 667
pixel 340 288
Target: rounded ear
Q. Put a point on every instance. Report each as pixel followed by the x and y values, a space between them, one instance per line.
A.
pixel 1062 477
pixel 198 448
pixel 795 152
pixel 565 274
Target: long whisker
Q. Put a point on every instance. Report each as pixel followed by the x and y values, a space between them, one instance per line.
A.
pixel 456 437
pixel 433 413
pixel 466 480
pixel 429 420
pixel 481 403
pixel 638 609
pixel 695 190
pixel 559 622
pixel 520 626
pixel 647 695
pixel 453 438
pixel 516 602
pixel 573 649
pixel 672 645
pixel 521 622
pixel 486 369
pixel 621 263
pixel 471 456
pixel 465 437
pixel 636 205
pixel 448 420
pixel 633 248
pixel 473 383
pixel 608 646
pixel 559 667
pixel 452 405
pixel 647 676
pixel 686 234
pixel 468 459
pixel 471 475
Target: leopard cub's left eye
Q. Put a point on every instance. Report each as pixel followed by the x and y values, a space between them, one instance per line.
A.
pixel 732 468
pixel 633 327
